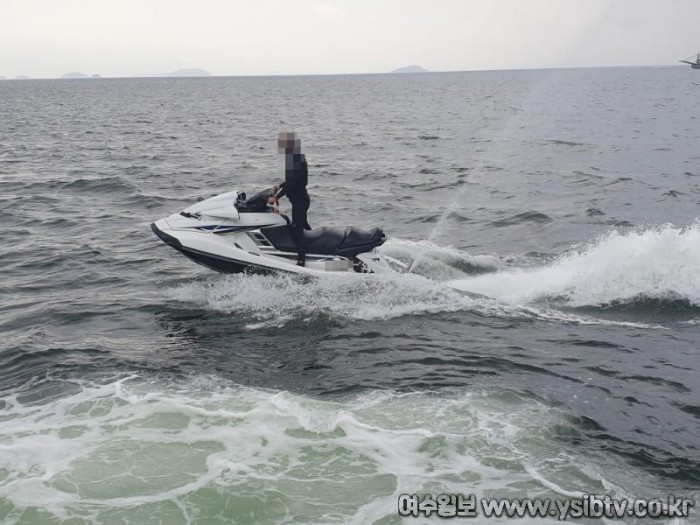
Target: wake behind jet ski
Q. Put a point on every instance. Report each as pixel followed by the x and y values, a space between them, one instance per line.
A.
pixel 232 234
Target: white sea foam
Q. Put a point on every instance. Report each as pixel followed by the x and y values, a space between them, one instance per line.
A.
pixel 659 263
pixel 266 301
pixel 441 263
pixel 363 297
pixel 204 449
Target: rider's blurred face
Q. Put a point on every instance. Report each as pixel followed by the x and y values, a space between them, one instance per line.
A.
pixel 285 142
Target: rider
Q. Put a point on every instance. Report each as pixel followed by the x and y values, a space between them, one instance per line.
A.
pixel 296 175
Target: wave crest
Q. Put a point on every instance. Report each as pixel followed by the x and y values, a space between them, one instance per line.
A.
pixel 658 264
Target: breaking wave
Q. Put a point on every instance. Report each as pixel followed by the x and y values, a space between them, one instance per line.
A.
pixel 659 264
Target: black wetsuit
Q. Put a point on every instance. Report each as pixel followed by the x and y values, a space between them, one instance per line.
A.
pixel 296 176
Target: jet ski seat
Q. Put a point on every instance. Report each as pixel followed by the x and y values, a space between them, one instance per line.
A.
pixel 346 242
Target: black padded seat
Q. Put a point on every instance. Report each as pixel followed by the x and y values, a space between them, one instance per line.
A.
pixel 347 242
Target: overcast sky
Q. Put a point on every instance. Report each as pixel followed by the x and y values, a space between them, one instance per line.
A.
pixel 47 38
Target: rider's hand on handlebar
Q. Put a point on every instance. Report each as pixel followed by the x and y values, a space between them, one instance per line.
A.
pixel 274 203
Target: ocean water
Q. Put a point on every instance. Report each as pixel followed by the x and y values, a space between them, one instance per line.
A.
pixel 137 387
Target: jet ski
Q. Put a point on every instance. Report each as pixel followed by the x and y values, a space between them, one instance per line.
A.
pixel 231 234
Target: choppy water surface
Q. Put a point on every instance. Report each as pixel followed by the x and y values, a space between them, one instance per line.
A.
pixel 137 387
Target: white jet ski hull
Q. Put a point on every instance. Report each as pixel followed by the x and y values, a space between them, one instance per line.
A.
pixel 224 234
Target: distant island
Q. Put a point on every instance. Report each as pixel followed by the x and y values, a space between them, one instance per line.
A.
pixel 75 74
pixel 410 69
pixel 22 77
pixel 195 72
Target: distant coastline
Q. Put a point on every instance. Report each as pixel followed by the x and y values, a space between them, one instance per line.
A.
pixel 75 75
pixel 184 73
pixel 180 73
pixel 194 72
pixel 411 69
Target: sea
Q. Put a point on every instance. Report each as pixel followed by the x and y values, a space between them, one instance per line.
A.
pixel 545 344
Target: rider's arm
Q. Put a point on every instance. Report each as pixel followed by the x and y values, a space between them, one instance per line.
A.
pixel 304 171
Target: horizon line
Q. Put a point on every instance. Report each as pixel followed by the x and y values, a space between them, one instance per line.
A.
pixel 273 75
